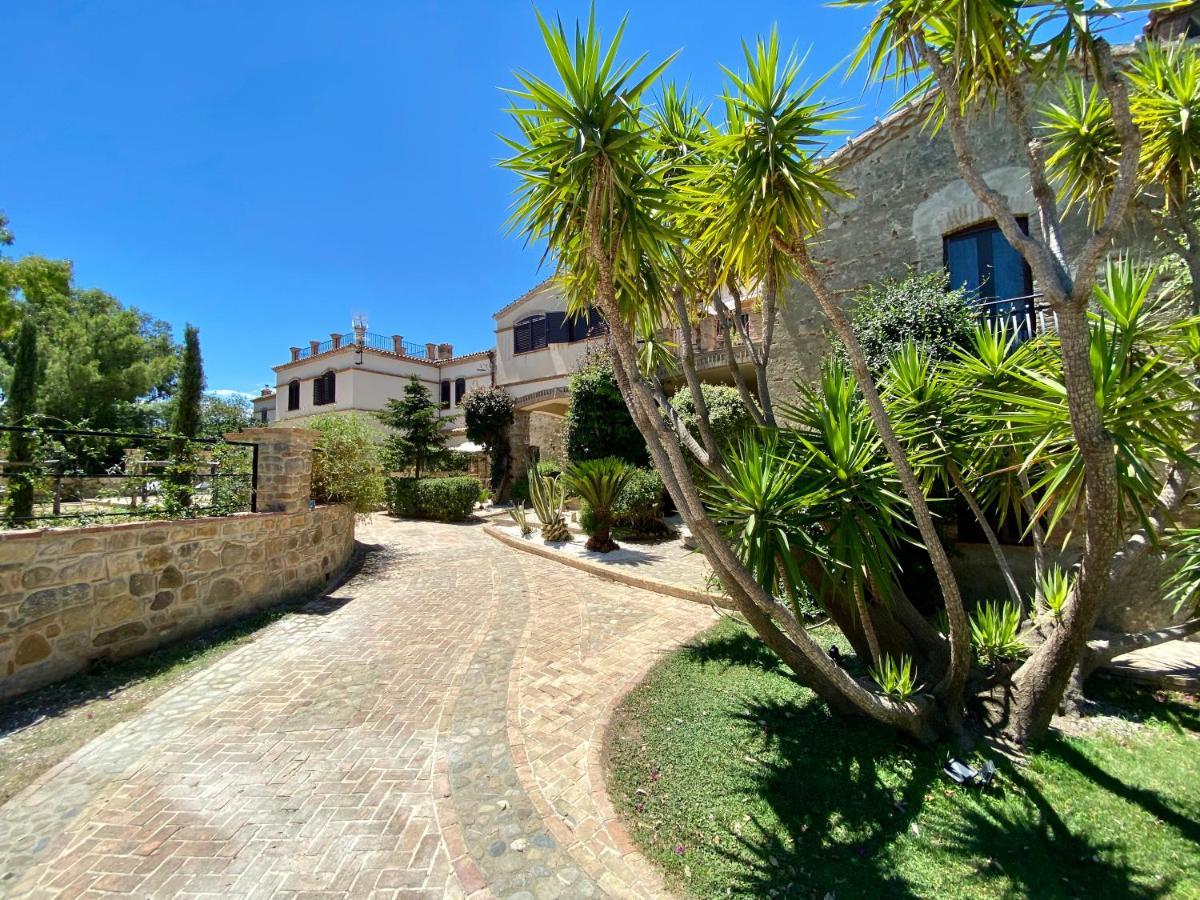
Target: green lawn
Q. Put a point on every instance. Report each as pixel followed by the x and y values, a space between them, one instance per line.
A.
pixel 737 782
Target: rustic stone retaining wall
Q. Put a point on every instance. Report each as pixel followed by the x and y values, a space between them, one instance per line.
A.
pixel 72 595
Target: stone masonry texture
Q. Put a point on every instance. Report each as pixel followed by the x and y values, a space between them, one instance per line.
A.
pixel 72 595
pixel 432 728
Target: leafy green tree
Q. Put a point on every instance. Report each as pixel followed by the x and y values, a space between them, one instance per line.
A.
pixel 488 416
pixel 100 361
pixel 598 424
pixel 18 410
pixel 418 438
pixel 920 309
pixel 219 415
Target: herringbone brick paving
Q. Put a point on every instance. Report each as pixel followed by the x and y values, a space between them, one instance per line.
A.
pixel 433 728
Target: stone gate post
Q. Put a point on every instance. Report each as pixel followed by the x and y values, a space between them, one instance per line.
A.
pixel 284 466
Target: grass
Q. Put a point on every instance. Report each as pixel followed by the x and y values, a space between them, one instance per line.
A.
pixel 45 726
pixel 736 781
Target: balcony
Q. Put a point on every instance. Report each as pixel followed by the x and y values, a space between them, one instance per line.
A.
pixel 1024 316
pixel 370 341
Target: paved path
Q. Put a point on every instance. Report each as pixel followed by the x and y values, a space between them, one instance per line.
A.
pixel 433 728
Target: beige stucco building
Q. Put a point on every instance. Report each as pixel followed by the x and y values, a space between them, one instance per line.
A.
pixel 537 347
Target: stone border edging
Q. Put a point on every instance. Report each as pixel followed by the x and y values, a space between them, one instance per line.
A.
pixel 608 573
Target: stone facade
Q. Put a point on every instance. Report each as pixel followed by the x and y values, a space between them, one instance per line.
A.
pixel 906 196
pixel 72 595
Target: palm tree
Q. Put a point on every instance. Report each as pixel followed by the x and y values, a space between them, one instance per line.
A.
pixel 599 482
pixel 591 189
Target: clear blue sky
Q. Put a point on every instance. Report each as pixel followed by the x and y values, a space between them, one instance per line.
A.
pixel 266 169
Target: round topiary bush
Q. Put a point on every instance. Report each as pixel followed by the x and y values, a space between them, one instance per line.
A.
pixel 726 411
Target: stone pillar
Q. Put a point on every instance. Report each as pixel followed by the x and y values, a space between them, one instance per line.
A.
pixel 295 353
pixel 336 338
pixel 284 466
pixel 314 347
pixel 431 351
pixel 398 344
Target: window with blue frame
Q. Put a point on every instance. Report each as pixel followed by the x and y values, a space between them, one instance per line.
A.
pixel 981 260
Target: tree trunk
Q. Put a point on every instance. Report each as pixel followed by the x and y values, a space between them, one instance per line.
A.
pixel 968 495
pixel 864 616
pixel 739 380
pixel 953 684
pixel 1039 684
pixel 688 355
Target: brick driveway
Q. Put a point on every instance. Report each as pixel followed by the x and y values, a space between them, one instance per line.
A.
pixel 433 728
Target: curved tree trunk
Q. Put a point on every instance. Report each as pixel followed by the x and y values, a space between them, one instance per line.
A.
pixel 952 686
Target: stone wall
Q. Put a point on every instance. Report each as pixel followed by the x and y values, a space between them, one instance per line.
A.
pixel 72 595
pixel 906 195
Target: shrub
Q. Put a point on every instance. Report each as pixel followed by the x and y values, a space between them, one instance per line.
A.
pixel 444 499
pixel 995 632
pixel 549 496
pixel 919 308
pixel 346 465
pixel 598 423
pixel 726 411
pixel 638 510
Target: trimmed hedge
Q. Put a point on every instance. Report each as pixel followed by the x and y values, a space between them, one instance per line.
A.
pixel 444 499
pixel 639 507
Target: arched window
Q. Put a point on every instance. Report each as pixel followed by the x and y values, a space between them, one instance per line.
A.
pixel 324 391
pixel 529 334
pixel 460 388
pixel 293 394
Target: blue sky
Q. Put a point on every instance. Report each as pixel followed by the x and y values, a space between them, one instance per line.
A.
pixel 265 170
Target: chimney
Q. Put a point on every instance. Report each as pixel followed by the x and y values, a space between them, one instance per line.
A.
pixel 295 353
pixel 398 344
pixel 431 351
pixel 336 338
pixel 266 392
pixel 314 347
pixel 445 351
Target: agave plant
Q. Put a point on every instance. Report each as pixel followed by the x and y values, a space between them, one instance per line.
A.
pixel 1055 588
pixel 520 515
pixel 549 496
pixel 897 678
pixel 598 482
pixel 995 632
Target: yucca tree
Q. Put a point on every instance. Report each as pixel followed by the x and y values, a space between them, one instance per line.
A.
pixel 934 421
pixel 598 482
pixel 768 202
pixel 1164 105
pixel 969 54
pixel 591 188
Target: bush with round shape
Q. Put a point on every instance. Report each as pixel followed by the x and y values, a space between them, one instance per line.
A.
pixel 443 499
pixel 726 412
pixel 487 415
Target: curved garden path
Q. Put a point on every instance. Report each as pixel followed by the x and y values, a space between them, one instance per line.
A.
pixel 432 728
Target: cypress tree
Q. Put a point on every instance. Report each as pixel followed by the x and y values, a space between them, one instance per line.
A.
pixel 186 423
pixel 191 386
pixel 22 396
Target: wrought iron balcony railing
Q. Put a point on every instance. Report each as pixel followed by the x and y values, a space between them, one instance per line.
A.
pixel 370 341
